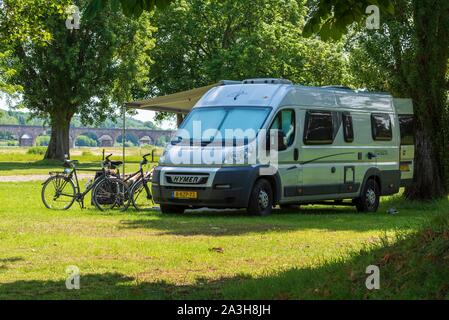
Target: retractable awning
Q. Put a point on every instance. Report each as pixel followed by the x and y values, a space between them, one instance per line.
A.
pixel 180 102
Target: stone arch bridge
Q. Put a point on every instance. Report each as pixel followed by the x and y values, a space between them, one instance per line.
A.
pixel 26 135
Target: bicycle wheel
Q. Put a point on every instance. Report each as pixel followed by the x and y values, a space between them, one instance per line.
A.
pixel 111 194
pixel 141 196
pixel 58 193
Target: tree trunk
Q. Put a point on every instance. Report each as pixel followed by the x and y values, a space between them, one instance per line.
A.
pixel 429 94
pixel 428 179
pixel 179 119
pixel 59 145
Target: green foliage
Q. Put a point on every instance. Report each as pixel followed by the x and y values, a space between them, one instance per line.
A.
pixel 383 59
pixel 37 150
pixel 42 141
pixel 79 71
pixel 9 143
pixel 408 56
pixel 5 135
pixel 331 18
pixel 62 78
pixel 85 141
pixel 20 20
pixel 131 8
pixel 201 42
pixel 7 118
pixel 162 141
pixel 130 140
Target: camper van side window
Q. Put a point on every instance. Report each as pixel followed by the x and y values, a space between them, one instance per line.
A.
pixel 407 125
pixel 319 128
pixel 381 127
pixel 285 121
pixel 348 130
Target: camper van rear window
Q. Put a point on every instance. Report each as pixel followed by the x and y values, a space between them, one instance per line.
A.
pixel 407 124
pixel 348 130
pixel 319 128
pixel 381 127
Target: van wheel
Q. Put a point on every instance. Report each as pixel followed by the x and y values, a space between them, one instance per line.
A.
pixel 172 209
pixel 261 199
pixel 370 198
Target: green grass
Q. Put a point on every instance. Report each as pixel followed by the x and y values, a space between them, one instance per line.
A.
pixel 17 161
pixel 307 254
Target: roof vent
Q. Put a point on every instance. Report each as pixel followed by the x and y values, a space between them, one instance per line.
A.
pixel 338 87
pixel 267 81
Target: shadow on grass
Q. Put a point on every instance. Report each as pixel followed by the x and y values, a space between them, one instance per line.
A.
pixel 405 268
pixel 237 222
pixel 411 267
pixel 42 164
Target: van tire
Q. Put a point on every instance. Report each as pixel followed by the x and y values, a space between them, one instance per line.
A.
pixel 370 198
pixel 261 198
pixel 172 209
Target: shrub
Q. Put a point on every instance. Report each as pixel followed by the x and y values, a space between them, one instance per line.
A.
pixel 37 150
pixel 43 141
pixel 85 141
pixel 12 143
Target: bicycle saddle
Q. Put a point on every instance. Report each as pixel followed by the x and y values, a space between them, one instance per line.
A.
pixel 68 163
pixel 116 163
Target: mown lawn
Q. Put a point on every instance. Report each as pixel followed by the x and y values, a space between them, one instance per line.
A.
pixel 196 255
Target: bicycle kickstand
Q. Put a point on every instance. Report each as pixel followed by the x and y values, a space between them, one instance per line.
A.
pixel 81 203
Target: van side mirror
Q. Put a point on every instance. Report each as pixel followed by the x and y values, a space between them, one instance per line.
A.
pixel 274 136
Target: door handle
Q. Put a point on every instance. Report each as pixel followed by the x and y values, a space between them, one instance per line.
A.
pixel 333 170
pixel 296 154
pixel 371 155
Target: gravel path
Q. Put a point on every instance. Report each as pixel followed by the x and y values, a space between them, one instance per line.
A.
pixel 35 177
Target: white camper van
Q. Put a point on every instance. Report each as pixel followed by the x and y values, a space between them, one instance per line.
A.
pixel 332 145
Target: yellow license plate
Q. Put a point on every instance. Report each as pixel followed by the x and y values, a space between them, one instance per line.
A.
pixel 185 195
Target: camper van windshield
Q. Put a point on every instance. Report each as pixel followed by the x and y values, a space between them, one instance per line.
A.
pixel 224 123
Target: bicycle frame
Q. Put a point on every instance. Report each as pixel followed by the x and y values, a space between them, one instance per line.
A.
pixel 73 175
pixel 142 177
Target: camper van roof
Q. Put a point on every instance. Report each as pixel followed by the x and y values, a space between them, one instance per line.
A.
pixel 281 93
pixel 266 92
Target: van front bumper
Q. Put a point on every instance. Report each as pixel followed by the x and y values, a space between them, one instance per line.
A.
pixel 227 187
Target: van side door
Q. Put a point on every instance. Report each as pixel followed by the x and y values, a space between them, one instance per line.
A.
pixel 288 166
pixel 320 159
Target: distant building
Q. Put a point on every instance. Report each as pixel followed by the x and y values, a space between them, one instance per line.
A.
pixel 145 140
pixel 26 141
pixel 106 141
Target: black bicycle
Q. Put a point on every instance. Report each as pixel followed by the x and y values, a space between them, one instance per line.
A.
pixel 140 186
pixel 62 189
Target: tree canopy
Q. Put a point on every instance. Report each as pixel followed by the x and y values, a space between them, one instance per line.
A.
pixel 201 42
pixel 90 71
pixel 407 56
